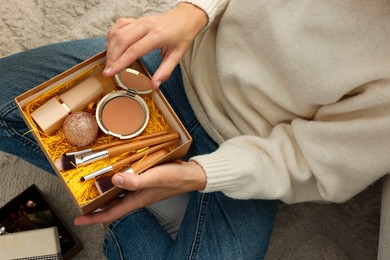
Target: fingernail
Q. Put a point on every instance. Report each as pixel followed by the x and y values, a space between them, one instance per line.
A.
pixel 107 70
pixel 118 180
pixel 158 83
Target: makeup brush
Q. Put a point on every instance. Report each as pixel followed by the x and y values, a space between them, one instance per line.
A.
pixel 123 162
pixel 70 162
pixel 104 184
pixel 108 145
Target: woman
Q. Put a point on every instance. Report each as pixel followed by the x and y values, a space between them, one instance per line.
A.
pixel 286 101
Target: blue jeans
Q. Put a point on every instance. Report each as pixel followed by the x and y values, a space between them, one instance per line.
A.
pixel 214 226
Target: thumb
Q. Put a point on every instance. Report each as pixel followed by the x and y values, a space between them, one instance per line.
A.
pixel 155 177
pixel 125 180
pixel 134 182
pixel 118 180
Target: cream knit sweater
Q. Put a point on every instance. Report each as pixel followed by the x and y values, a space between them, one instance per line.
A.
pixel 297 94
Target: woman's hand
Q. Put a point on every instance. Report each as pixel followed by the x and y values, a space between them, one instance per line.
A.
pixel 172 32
pixel 153 185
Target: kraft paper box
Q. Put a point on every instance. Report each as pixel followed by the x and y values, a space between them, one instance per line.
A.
pixel 85 194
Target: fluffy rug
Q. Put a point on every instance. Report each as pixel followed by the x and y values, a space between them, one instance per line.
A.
pixel 305 231
pixel 28 24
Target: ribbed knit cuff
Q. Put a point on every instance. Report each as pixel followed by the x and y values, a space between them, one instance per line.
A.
pixel 220 172
pixel 211 7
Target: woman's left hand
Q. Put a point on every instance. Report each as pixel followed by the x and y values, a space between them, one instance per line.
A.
pixel 155 184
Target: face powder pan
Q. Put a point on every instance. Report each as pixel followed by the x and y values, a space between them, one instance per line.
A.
pixel 124 113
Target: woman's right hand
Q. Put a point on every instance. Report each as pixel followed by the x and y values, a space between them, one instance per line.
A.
pixel 173 32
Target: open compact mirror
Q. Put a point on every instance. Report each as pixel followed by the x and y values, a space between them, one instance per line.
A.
pixel 123 113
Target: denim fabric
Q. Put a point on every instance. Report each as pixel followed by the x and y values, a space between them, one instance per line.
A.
pixel 214 226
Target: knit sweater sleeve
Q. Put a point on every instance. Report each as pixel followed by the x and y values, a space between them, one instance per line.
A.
pixel 211 7
pixel 332 157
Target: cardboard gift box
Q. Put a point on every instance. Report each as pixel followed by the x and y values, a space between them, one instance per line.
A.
pixel 31 227
pixel 46 108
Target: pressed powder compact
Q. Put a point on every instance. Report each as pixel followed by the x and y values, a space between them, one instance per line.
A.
pixel 124 114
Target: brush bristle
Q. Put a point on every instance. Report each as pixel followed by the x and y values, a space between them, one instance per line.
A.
pixel 66 162
pixel 104 184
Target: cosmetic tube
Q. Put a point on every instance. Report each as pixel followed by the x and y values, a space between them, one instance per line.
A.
pixel 51 115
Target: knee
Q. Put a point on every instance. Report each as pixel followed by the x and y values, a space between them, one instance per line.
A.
pixel 111 247
pixel 13 130
pixel 16 139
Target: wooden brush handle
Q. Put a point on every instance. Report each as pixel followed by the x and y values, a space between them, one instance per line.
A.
pixel 145 163
pixel 116 143
pixel 136 156
pixel 133 146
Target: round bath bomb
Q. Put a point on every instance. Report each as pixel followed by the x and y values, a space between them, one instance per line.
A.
pixel 80 128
